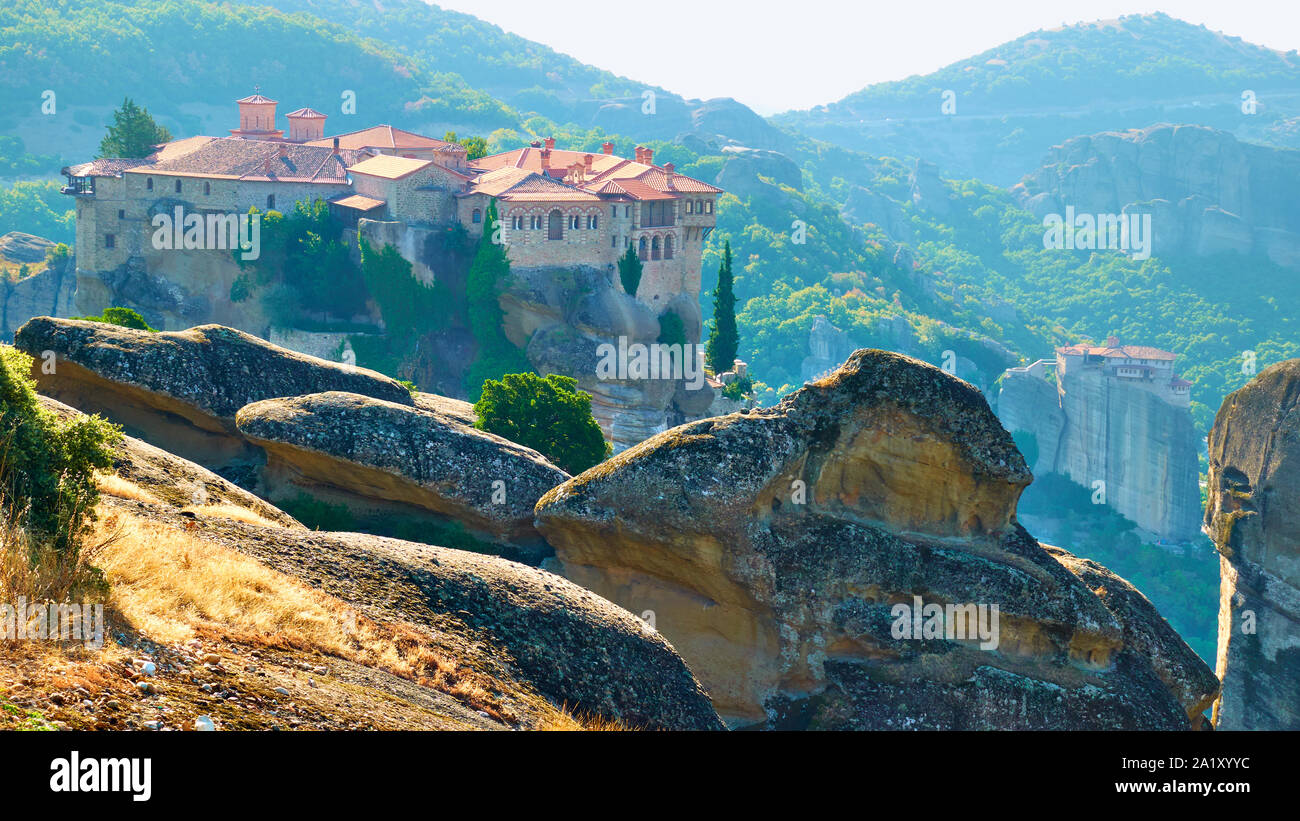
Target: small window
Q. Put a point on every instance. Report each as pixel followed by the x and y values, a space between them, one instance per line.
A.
pixel 668 247
pixel 613 211
pixel 110 240
pixel 593 222
pixel 121 213
pixel 627 210
pixel 690 206
pixel 270 201
pixel 643 249
pixel 148 184
pixel 654 248
pixel 476 217
pixel 575 222
pixel 207 188
pixel 708 206
pixel 178 186
pixel 613 241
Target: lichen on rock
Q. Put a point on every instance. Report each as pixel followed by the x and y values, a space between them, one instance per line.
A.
pixel 773 547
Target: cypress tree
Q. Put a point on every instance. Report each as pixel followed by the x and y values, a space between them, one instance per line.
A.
pixel 629 270
pixel 724 339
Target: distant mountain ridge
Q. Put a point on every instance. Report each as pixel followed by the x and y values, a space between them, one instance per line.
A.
pixel 1014 101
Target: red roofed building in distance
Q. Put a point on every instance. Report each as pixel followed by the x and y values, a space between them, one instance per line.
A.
pixel 1140 365
pixel 557 207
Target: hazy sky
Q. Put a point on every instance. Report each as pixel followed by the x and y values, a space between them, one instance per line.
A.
pixel 778 54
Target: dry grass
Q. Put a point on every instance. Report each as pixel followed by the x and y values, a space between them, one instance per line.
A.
pixel 239 514
pixel 173 586
pixel 38 573
pixel 110 484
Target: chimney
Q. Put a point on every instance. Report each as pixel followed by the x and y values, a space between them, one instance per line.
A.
pixel 1112 342
pixel 546 161
pixel 638 152
pixel 607 148
pixel 284 149
pixel 586 162
pixel 649 156
pixel 550 143
pixel 336 146
pixel 669 167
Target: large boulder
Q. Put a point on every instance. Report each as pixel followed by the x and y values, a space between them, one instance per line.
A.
pixel 1254 483
pixel 781 549
pixel 526 626
pixel 180 390
pixel 377 456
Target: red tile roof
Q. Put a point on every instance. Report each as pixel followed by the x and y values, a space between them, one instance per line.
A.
pixel 256 99
pixel 385 136
pixel 306 114
pixel 1118 352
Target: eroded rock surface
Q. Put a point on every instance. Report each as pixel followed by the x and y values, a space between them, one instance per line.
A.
pixel 773 547
pixel 377 455
pixel 1254 483
pixel 180 390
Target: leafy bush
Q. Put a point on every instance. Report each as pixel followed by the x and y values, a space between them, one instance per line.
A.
pixel 126 317
pixel 496 355
pixel 48 490
pixel 549 415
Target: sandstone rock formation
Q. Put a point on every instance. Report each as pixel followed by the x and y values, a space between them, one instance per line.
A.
pixel 170 480
pixel 17 246
pixel 1252 517
pixel 1206 191
pixel 1093 429
pixel 180 390
pixel 774 548
pixel 530 630
pixel 50 291
pixel 381 456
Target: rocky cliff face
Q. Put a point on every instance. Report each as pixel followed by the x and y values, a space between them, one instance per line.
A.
pixel 182 387
pixel 281 423
pixel 562 319
pixel 382 456
pixel 1141 448
pixel 1254 490
pixel 47 293
pixel 1206 191
pixel 775 548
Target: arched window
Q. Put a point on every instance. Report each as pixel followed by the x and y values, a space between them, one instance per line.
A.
pixel 178 186
pixel 476 216
pixel 654 248
pixel 555 225
pixel 668 247
pixel 575 222
pixel 270 201
pixel 641 249
pixel 593 222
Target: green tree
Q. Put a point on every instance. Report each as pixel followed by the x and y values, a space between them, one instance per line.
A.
pixel 495 355
pixel 48 463
pixel 475 147
pixel 126 317
pixel 724 339
pixel 629 270
pixel 549 415
pixel 133 133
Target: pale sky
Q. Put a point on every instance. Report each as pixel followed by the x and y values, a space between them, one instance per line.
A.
pixel 775 55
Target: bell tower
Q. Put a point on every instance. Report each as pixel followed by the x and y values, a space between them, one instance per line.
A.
pixel 257 118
